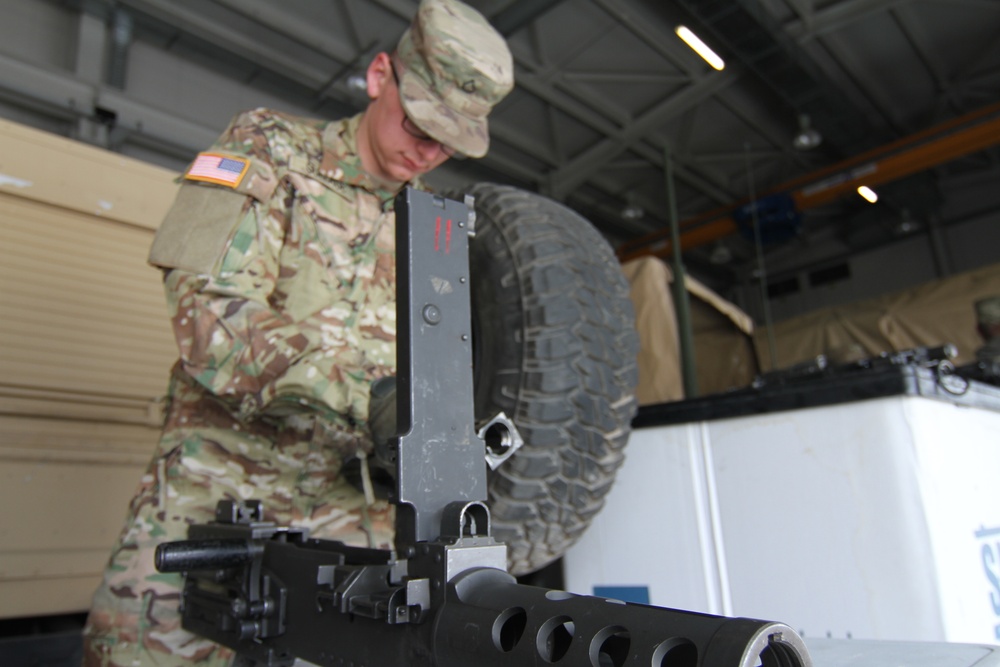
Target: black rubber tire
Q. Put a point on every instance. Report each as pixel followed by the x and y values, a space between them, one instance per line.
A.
pixel 555 349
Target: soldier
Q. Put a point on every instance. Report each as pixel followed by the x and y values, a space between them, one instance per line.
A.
pixel 279 270
pixel 988 324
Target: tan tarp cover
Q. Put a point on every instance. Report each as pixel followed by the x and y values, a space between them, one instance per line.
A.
pixel 931 314
pixel 723 350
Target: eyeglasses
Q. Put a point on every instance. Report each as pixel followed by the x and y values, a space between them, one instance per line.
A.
pixel 414 131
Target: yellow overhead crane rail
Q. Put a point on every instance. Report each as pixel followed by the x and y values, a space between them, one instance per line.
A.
pixel 917 152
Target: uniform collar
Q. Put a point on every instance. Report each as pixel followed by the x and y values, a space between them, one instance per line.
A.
pixel 341 161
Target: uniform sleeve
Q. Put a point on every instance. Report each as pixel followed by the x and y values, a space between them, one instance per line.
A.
pixel 257 359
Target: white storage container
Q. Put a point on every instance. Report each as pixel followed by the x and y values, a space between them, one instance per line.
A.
pixel 876 519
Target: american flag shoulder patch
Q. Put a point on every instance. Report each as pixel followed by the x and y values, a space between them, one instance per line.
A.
pixel 218 168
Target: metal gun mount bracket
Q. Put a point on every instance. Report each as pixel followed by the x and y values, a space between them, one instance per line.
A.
pixel 502 440
pixel 442 597
pixel 439 457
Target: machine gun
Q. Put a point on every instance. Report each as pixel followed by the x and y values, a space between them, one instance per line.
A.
pixel 442 597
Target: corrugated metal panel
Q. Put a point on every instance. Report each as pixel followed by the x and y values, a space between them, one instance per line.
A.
pixel 50 169
pixel 78 441
pixel 85 349
pixel 68 516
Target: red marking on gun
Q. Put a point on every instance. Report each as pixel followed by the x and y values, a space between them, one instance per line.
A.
pixel 447 237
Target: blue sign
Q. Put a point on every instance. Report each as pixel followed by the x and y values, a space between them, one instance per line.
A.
pixel 991 568
pixel 638 594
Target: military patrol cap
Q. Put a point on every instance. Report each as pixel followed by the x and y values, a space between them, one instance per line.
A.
pixel 453 67
pixel 988 310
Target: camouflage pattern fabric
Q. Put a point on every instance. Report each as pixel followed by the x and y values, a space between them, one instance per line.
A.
pixel 988 310
pixel 278 348
pixel 990 352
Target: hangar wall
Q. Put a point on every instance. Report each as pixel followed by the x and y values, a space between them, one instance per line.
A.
pixel 964 246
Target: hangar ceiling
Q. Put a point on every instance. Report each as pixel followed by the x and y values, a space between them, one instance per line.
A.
pixel 605 92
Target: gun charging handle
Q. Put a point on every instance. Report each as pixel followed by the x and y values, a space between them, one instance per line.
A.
pixel 205 554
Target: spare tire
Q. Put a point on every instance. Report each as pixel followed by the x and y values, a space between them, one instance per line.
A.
pixel 555 349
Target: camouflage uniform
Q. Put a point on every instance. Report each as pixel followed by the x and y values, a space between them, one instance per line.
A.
pixel 281 334
pixel 280 279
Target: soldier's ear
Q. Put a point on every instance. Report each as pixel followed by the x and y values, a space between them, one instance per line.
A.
pixel 379 75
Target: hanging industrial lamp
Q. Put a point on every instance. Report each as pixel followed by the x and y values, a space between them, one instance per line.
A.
pixel 808 137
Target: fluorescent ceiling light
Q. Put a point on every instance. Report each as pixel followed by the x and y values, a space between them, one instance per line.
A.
pixel 692 40
pixel 868 194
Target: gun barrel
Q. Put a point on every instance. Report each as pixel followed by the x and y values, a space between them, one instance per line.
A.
pixel 206 554
pixel 493 622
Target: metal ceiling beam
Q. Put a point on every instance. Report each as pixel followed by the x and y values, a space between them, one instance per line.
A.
pixel 271 16
pixel 684 172
pixel 65 96
pixel 943 92
pixel 564 103
pixel 619 119
pixel 121 40
pixel 640 28
pixel 519 14
pixel 782 143
pixel 225 37
pixel 748 32
pixel 595 158
pixel 838 16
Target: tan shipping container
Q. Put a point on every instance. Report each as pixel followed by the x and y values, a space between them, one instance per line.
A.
pixel 85 349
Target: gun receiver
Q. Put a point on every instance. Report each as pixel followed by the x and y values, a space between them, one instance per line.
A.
pixel 442 597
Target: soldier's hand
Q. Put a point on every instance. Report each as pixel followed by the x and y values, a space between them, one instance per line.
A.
pixel 382 421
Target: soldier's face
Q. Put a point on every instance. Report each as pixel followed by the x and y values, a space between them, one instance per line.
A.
pixel 387 149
